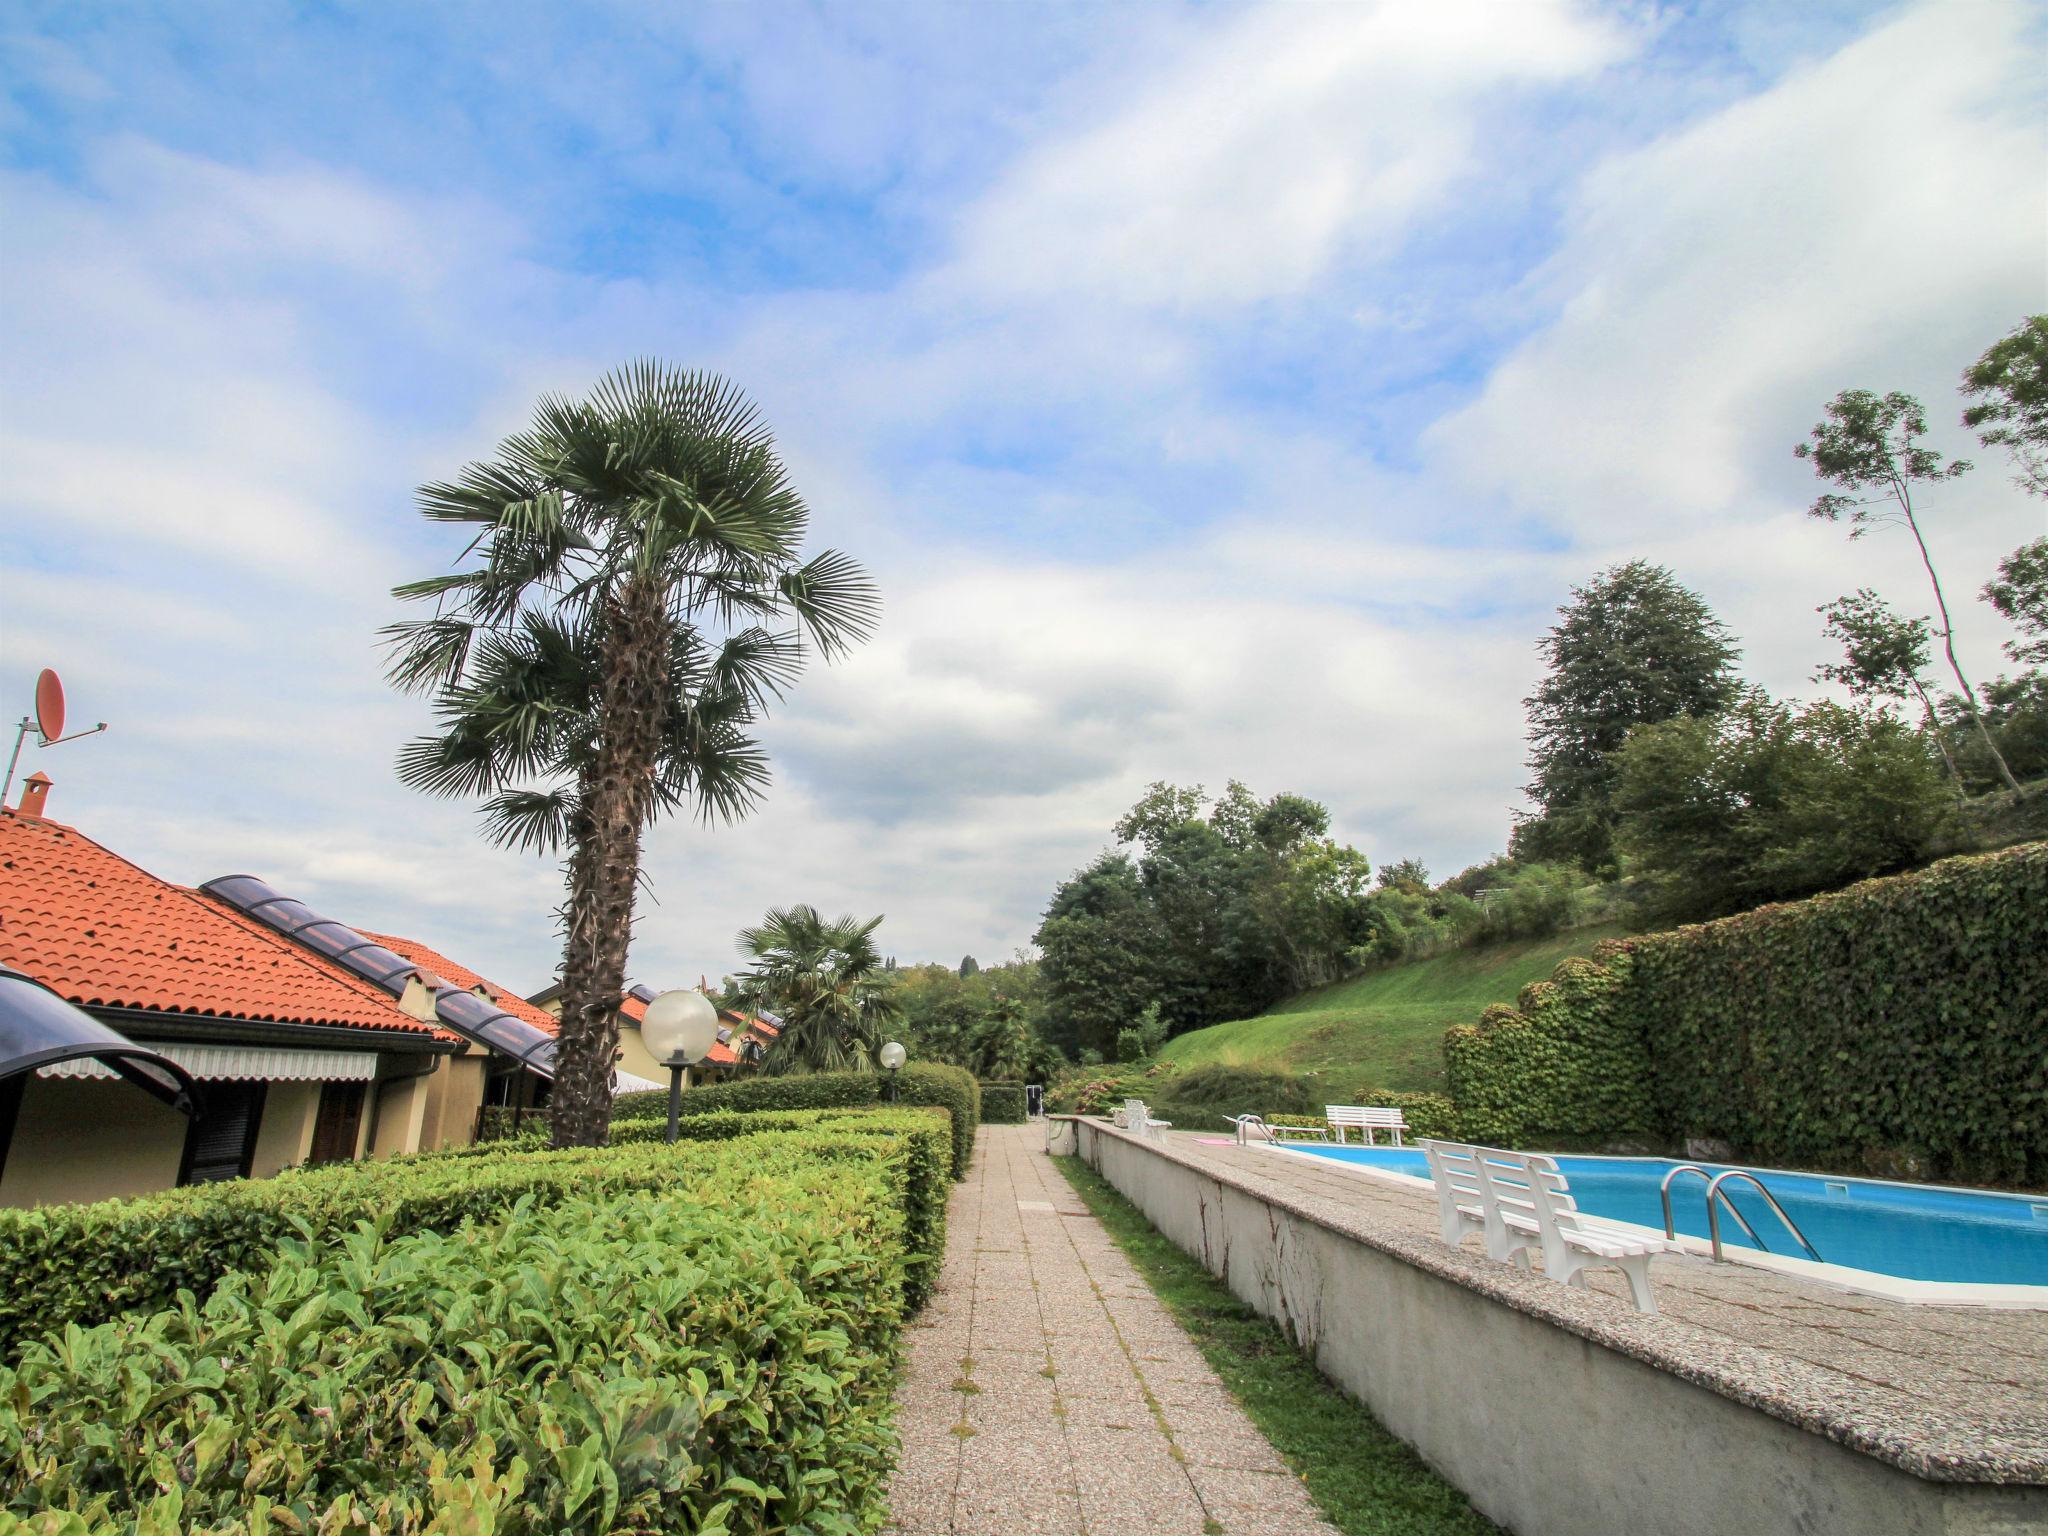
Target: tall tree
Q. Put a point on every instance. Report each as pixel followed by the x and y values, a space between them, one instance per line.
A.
pixel 1101 948
pixel 631 601
pixel 1870 448
pixel 1883 655
pixel 826 982
pixel 2010 385
pixel 2020 594
pixel 1634 647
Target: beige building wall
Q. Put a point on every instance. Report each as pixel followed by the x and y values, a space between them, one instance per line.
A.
pixel 398 1109
pixel 635 1058
pixel 455 1093
pixel 90 1140
pixel 284 1137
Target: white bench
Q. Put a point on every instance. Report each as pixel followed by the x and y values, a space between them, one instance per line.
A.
pixel 1517 1201
pixel 1366 1119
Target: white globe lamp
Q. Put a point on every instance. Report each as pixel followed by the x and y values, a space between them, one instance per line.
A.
pixel 892 1057
pixel 678 1029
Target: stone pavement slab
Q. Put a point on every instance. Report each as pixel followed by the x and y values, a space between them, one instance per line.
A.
pixel 1048 1392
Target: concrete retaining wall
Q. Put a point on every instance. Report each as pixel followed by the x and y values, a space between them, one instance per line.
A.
pixel 1548 1433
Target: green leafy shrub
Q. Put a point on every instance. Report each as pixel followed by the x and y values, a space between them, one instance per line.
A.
pixel 714 1356
pixel 1098 1090
pixel 1002 1104
pixel 921 1082
pixel 927 1138
pixel 1566 1060
pixel 83 1264
pixel 1130 1046
pixel 1895 1024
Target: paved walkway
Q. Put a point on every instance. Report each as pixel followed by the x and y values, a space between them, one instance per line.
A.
pixel 1049 1393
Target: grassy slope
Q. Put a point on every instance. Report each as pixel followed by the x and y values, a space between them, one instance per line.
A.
pixel 1383 1030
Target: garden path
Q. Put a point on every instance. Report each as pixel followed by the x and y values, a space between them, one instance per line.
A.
pixel 1048 1392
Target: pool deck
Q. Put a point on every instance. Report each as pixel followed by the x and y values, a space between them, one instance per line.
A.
pixel 1952 1394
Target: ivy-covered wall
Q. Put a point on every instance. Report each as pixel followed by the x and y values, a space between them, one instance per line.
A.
pixel 1898 1026
pixel 1566 1061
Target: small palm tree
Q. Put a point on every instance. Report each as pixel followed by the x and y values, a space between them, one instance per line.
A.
pixel 827 983
pixel 632 602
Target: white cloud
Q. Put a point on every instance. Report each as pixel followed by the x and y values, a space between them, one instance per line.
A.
pixel 1281 140
pixel 1875 219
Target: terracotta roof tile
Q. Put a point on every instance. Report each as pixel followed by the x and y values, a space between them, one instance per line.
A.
pixel 105 933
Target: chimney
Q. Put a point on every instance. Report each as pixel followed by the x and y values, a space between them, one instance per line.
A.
pixel 35 792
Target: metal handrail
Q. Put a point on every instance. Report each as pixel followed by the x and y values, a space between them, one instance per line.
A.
pixel 1714 1222
pixel 1664 1192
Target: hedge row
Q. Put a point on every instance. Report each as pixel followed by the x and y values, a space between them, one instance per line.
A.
pixel 1566 1061
pixel 948 1088
pixel 1002 1104
pixel 85 1264
pixel 715 1356
pixel 1897 1026
pixel 927 1138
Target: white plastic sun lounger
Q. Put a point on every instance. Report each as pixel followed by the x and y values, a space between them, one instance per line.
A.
pixel 1365 1119
pixel 1134 1116
pixel 1518 1201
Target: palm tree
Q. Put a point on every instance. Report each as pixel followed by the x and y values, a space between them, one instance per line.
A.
pixel 630 605
pixel 827 983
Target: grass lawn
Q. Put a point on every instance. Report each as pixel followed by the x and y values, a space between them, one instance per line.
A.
pixel 1384 1030
pixel 1364 1481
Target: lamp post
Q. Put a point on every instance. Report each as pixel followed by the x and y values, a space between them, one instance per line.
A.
pixel 893 1057
pixel 677 1029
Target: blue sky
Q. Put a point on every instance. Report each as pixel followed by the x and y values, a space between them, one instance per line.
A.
pixel 1215 391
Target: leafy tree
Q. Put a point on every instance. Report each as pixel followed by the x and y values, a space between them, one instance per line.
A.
pixel 633 598
pixel 2015 710
pixel 1872 444
pixel 1633 648
pixel 827 983
pixel 969 966
pixel 2020 594
pixel 1410 875
pixel 2010 385
pixel 1768 801
pixel 1883 656
pixel 1100 945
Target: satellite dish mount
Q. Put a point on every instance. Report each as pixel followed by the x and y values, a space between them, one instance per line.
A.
pixel 47 722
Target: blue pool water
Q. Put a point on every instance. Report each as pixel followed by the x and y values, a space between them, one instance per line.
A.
pixel 1916 1231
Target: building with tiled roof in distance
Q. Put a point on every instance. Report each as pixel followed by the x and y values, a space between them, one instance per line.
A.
pixel 742 1038
pixel 309 1041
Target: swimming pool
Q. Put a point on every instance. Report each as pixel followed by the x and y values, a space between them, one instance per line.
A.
pixel 1913 1231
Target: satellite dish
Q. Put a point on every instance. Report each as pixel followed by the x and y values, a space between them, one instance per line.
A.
pixel 49 705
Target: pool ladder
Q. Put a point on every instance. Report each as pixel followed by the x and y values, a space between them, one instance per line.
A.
pixel 1718 1197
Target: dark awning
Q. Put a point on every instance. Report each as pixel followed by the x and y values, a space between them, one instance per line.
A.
pixel 39 1028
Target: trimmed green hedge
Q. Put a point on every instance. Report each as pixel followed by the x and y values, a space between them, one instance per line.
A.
pixel 715 1356
pixel 1002 1103
pixel 924 1082
pixel 1567 1060
pixel 928 1173
pixel 1895 1026
pixel 62 1264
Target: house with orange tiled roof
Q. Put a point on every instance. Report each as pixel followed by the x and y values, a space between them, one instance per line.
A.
pixel 742 1038
pixel 309 1041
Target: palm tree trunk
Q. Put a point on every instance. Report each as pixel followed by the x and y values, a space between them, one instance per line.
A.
pixel 605 867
